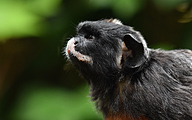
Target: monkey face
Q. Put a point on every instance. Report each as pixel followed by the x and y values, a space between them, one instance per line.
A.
pixel 104 48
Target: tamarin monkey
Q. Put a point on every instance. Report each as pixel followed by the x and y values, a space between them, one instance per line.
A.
pixel 128 80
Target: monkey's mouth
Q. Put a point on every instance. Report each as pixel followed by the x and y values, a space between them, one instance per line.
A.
pixel 71 52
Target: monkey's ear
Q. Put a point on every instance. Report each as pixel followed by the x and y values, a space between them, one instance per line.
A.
pixel 139 52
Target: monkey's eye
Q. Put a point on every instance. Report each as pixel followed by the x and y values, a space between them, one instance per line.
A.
pixel 90 37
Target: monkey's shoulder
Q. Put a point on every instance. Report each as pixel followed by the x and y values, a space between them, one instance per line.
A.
pixel 175 65
pixel 171 56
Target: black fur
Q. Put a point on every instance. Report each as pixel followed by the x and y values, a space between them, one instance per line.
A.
pixel 156 84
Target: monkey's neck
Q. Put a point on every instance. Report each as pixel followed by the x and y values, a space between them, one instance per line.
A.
pixel 102 89
pixel 111 95
pixel 107 95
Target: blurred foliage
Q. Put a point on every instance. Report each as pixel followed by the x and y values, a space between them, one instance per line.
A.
pixel 168 4
pixel 36 81
pixel 121 8
pixel 17 16
pixel 45 103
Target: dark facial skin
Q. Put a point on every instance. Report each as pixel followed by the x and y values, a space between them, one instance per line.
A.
pixel 128 80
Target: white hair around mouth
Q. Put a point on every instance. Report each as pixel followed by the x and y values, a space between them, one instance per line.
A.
pixel 70 49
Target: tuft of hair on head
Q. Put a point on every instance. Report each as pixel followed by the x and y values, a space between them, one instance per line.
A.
pixel 116 21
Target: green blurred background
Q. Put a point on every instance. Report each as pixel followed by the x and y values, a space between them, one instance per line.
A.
pixel 36 81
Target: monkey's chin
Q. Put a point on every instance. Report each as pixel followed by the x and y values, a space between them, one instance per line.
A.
pixel 71 52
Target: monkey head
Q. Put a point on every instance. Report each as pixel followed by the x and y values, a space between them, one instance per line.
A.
pixel 103 49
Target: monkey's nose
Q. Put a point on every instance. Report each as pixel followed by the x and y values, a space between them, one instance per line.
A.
pixel 76 42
